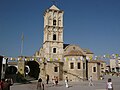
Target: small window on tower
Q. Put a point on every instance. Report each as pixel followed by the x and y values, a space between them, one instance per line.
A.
pixel 54 50
pixel 55 69
pixel 54 22
pixel 54 36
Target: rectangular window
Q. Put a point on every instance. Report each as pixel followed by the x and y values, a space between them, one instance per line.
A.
pixel 83 65
pixel 71 65
pixel 54 50
pixel 55 69
pixel 78 65
pixel 94 69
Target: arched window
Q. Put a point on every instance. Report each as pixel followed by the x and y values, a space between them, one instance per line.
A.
pixel 54 50
pixel 54 36
pixel 49 20
pixel 55 69
pixel 54 22
pixel 78 65
pixel 59 21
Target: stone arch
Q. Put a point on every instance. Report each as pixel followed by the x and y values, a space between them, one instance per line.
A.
pixel 11 70
pixel 49 20
pixel 27 69
pixel 34 69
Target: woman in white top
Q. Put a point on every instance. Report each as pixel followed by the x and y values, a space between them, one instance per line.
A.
pixel 66 82
pixel 109 84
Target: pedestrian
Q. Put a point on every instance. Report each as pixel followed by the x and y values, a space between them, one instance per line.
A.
pixel 109 84
pixel 90 81
pixel 9 83
pixel 56 80
pixel 1 85
pixel 40 85
pixel 66 82
pixel 53 80
pixel 47 78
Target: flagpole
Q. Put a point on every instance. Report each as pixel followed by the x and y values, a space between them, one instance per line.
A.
pixel 22 44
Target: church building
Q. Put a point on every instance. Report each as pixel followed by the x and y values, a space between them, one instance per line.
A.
pixel 63 60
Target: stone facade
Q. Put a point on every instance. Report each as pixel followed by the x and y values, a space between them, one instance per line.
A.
pixel 61 60
pixel 94 69
pixel 102 67
pixel 75 67
pixel 21 66
pixel 53 33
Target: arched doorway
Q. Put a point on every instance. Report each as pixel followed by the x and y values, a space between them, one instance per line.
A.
pixel 11 70
pixel 34 69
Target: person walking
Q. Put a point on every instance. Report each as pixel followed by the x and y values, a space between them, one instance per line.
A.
pixel 56 80
pixel 47 78
pixel 40 85
pixel 1 85
pixel 109 84
pixel 66 82
pixel 53 80
pixel 90 81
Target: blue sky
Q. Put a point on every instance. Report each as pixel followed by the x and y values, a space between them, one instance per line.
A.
pixel 93 24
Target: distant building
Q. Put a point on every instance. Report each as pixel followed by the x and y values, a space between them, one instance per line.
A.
pixel 94 69
pixel 102 66
pixel 115 65
pixel 108 68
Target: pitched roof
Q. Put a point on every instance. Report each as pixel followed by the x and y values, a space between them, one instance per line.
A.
pixel 87 51
pixel 53 7
pixel 65 45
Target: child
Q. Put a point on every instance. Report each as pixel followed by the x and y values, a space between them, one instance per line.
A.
pixel 109 84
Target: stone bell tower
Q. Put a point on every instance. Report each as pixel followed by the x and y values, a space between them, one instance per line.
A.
pixel 53 33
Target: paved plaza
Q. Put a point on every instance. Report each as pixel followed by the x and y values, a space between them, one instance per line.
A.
pixel 83 85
